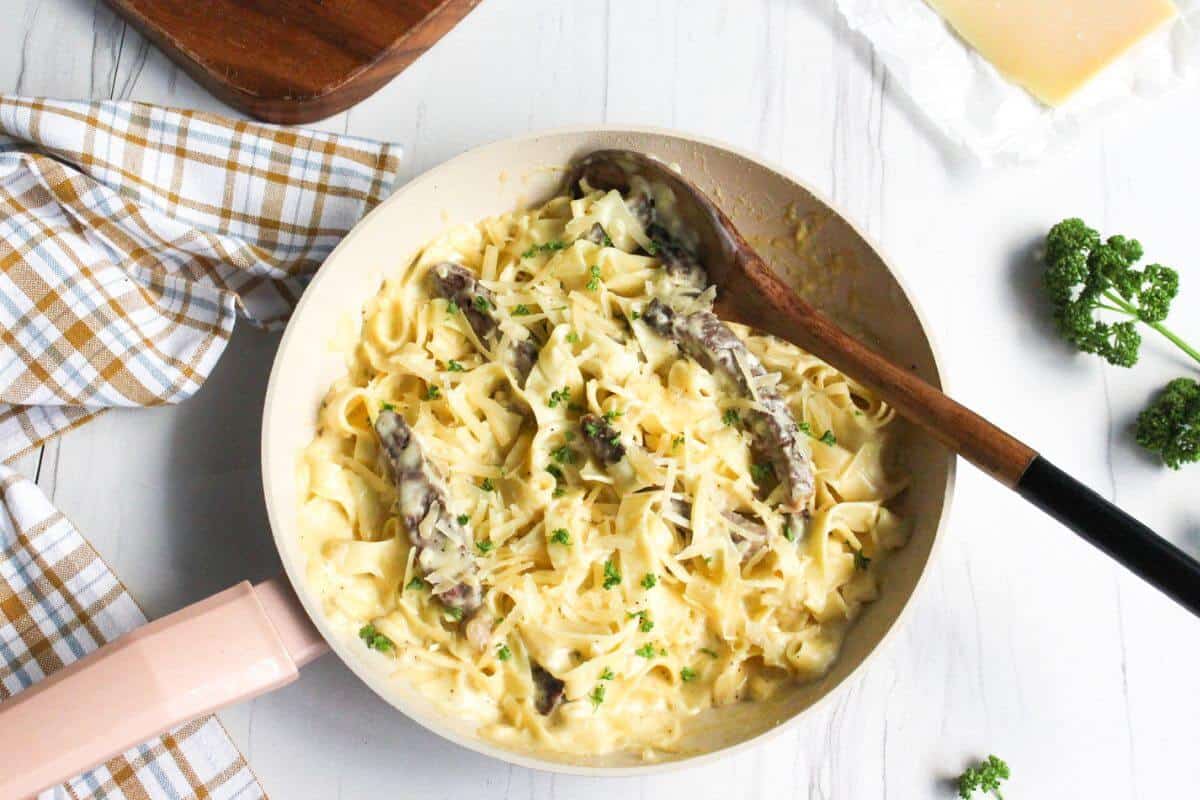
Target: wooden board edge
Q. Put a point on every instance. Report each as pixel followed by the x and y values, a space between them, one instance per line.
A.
pixel 300 110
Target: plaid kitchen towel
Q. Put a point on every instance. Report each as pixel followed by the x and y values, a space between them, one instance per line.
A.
pixel 132 236
pixel 58 602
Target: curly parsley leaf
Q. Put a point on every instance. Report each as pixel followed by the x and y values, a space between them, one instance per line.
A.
pixel 984 777
pixel 1170 426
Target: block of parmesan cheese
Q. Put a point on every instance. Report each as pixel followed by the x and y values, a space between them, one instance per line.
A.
pixel 1053 47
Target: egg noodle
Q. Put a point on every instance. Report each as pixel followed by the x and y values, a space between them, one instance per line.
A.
pixel 632 587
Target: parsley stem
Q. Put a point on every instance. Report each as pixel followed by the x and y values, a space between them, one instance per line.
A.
pixel 1171 336
pixel 1180 343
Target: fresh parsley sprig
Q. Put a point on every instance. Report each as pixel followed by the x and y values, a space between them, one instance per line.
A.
pixel 1092 282
pixel 983 777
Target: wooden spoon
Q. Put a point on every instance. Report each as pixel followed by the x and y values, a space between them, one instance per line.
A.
pixel 750 292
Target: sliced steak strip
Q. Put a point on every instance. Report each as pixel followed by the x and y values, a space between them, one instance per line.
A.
pixel 603 439
pixel 702 336
pixel 549 689
pixel 477 303
pixel 677 260
pixel 597 235
pixel 443 546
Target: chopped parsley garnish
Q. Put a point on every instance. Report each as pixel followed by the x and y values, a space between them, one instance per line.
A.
pixel 433 393
pixel 615 440
pixel 731 417
pixel 591 429
pixel 417 583
pixel 503 653
pixel 649 580
pixel 612 414
pixel 455 614
pixel 594 280
pixel 825 438
pixel 761 472
pixel 548 247
pixel 559 491
pixel 387 407
pixel 463 519
pixel 454 366
pixel 482 303
pixel 645 625
pixel 597 696
pixel 559 396
pixel 607 242
pixel 573 337
pixel 611 575
pixel 555 470
pixel 487 485
pixel 647 651
pixel 485 546
pixel 561 536
pixel 678 440
pixel 652 248
pixel 521 310
pixel 861 561
pixel 708 651
pixel 375 640
pixel 635 316
pixel 452 308
pixel 788 533
pixel 607 675
pixel 687 674
pixel 564 455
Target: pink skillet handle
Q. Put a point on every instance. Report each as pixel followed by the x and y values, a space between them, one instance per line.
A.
pixel 243 642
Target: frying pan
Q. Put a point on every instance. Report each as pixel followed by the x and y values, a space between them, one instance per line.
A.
pixel 252 639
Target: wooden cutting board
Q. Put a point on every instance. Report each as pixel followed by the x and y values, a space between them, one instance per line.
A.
pixel 293 61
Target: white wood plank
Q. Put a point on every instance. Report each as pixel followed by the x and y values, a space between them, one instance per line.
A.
pixel 1023 642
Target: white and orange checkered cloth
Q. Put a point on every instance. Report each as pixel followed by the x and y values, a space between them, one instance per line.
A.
pixel 132 236
pixel 58 602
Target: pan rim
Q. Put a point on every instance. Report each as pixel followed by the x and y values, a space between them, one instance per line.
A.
pixel 375 681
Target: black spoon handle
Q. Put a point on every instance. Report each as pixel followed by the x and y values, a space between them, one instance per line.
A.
pixel 1157 561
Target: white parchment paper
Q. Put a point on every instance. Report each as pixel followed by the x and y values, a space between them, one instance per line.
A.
pixel 999 121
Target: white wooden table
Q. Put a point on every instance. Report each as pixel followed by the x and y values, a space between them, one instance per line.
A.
pixel 1024 642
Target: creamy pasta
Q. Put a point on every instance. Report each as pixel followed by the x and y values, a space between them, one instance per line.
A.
pixel 650 580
